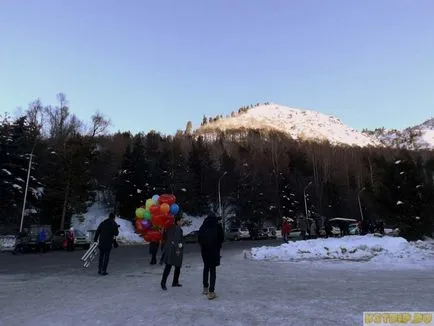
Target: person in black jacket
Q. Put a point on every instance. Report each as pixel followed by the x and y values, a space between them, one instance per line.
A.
pixel 153 249
pixel 106 233
pixel 211 237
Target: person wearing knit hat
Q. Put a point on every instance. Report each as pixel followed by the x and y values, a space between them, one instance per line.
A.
pixel 174 252
pixel 211 237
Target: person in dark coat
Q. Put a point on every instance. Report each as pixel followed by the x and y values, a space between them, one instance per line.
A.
pixel 42 237
pixel 70 240
pixel 106 233
pixel 173 253
pixel 210 238
pixel 153 249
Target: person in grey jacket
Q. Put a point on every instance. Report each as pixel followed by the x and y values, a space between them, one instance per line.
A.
pixel 174 252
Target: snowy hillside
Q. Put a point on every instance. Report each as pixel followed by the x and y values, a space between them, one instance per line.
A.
pixel 417 137
pixel 298 124
pixel 426 139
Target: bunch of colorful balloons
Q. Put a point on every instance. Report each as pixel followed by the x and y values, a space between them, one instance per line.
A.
pixel 157 214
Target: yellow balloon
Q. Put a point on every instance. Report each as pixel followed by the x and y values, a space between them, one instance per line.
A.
pixel 149 203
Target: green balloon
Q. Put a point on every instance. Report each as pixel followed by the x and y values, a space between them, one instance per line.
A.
pixel 147 214
pixel 140 212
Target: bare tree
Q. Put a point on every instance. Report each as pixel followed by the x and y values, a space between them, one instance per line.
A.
pixel 62 125
pixel 100 124
pixel 35 114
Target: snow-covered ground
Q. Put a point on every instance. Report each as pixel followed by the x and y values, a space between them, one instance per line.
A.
pixel 59 292
pixel 385 251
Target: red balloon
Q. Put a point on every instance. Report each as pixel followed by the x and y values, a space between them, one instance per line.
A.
pixel 153 236
pixel 139 226
pixel 157 219
pixel 167 199
pixel 168 222
pixel 154 209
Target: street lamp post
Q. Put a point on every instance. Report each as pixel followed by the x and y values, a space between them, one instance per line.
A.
pixel 220 199
pixel 29 168
pixel 360 204
pixel 304 195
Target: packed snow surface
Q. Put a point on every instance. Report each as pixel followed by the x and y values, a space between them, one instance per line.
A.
pixel 387 250
pixel 54 289
pixel 298 124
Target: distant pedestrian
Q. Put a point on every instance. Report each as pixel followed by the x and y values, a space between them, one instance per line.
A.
pixel 70 240
pixel 211 237
pixel 286 229
pixel 303 227
pixel 42 237
pixel 174 252
pixel 153 249
pixel 106 233
pixel 313 230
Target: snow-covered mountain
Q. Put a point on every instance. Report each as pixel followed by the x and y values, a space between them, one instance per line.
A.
pixel 417 137
pixel 296 123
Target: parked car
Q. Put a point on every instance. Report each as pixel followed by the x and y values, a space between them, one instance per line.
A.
pixel 59 240
pixel 258 234
pixel 339 222
pixel 192 237
pixel 271 232
pixel 354 229
pixel 294 234
pixel 236 234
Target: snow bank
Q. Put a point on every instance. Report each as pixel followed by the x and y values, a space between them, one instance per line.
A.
pixel 98 213
pixel 384 250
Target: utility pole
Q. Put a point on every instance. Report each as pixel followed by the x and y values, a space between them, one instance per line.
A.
pixel 360 204
pixel 29 168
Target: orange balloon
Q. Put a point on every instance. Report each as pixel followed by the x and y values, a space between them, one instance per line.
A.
pixel 164 208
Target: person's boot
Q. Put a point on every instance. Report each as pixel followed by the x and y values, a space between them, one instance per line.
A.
pixel 205 291
pixel 176 285
pixel 212 296
pixel 163 286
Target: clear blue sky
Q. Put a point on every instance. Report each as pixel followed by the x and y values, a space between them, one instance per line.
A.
pixel 157 64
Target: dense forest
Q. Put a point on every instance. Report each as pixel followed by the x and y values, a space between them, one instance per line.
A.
pixel 262 176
